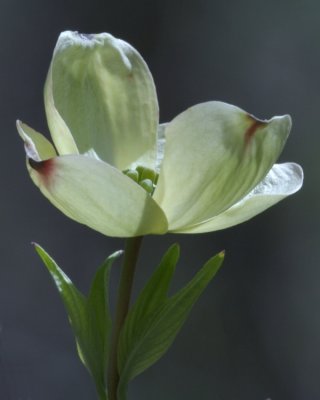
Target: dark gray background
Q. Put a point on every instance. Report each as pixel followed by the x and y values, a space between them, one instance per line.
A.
pixel 255 333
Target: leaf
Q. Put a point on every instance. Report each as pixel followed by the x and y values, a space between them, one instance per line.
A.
pixel 99 321
pixel 151 297
pixel 89 317
pixel 73 299
pixel 148 334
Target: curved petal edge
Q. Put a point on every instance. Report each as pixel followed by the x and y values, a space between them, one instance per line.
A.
pixel 36 145
pixel 282 181
pixel 100 90
pixel 215 154
pixel 97 195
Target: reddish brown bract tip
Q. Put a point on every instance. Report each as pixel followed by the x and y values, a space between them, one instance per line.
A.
pixel 254 126
pixel 44 168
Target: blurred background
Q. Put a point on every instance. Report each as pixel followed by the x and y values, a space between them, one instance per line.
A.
pixel 255 333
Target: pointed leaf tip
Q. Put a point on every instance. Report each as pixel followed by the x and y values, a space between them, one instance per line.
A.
pixel 89 316
pixel 117 254
pixel 155 319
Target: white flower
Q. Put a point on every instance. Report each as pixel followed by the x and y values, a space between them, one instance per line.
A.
pixel 118 171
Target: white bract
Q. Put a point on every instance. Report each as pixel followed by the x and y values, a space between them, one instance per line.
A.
pixel 116 170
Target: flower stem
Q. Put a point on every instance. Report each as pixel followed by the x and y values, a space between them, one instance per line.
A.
pixel 124 293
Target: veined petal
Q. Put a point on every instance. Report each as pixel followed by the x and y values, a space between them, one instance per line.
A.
pixel 104 92
pixel 283 180
pixel 36 145
pixel 215 154
pixel 95 194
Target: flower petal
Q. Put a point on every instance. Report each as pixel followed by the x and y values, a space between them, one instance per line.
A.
pixel 95 194
pixel 161 141
pixel 36 145
pixel 104 92
pixel 283 180
pixel 215 154
pixel 60 132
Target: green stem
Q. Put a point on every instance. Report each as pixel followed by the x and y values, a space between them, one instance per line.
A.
pixel 102 394
pixel 124 293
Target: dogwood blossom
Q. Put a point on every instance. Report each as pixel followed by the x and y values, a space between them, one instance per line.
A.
pixel 116 170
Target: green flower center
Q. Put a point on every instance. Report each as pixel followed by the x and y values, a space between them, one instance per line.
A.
pixel 145 177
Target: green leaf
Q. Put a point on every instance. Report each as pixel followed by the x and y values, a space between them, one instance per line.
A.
pixel 151 297
pixel 73 299
pixel 89 317
pixel 148 332
pixel 99 320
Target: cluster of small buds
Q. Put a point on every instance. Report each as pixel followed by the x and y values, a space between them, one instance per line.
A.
pixel 145 177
